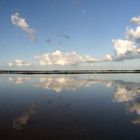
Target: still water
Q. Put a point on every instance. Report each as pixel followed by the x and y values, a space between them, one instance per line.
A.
pixel 70 107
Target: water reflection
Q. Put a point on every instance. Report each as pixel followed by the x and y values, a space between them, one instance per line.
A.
pixel 59 84
pixel 19 80
pixel 129 94
pixel 24 118
pixel 82 110
pixel 134 108
pixel 126 92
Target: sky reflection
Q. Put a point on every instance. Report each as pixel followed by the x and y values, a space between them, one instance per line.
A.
pixel 19 80
pixel 24 118
pixel 59 84
pixel 126 92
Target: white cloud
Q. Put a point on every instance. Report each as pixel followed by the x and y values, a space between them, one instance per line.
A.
pixel 19 63
pixel 21 22
pixel 62 58
pixel 129 47
pixel 125 49
pixel 134 35
pixel 136 20
pixel 108 57
pixel 121 47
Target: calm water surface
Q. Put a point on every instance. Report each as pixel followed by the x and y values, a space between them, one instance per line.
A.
pixel 70 107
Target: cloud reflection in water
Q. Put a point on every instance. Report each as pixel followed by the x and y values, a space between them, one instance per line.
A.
pixel 59 84
pixel 127 93
pixel 124 92
pixel 23 119
pixel 19 80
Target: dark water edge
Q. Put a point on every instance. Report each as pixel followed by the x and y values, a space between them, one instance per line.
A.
pixel 68 71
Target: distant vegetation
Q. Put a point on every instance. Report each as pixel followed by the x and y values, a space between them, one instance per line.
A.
pixel 68 71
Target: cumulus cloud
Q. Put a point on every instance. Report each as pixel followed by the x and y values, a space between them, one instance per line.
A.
pixel 19 62
pixel 21 22
pixel 62 58
pixel 136 20
pixel 108 57
pixel 125 49
pixel 134 35
pixel 129 47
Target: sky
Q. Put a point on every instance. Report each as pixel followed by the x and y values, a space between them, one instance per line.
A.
pixel 69 34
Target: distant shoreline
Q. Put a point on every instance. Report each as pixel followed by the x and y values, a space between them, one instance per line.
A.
pixel 67 71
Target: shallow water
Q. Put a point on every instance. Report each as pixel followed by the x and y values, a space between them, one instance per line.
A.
pixel 70 107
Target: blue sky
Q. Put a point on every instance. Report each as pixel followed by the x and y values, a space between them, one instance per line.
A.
pixel 86 27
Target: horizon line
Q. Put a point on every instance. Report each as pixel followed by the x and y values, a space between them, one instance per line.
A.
pixel 68 71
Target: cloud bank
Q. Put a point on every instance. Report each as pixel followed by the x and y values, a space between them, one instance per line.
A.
pixel 21 22
pixel 62 58
pixel 19 63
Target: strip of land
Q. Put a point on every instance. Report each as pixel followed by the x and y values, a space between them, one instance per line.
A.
pixel 68 71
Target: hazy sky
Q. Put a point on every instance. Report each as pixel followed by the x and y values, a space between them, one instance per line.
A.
pixel 69 33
